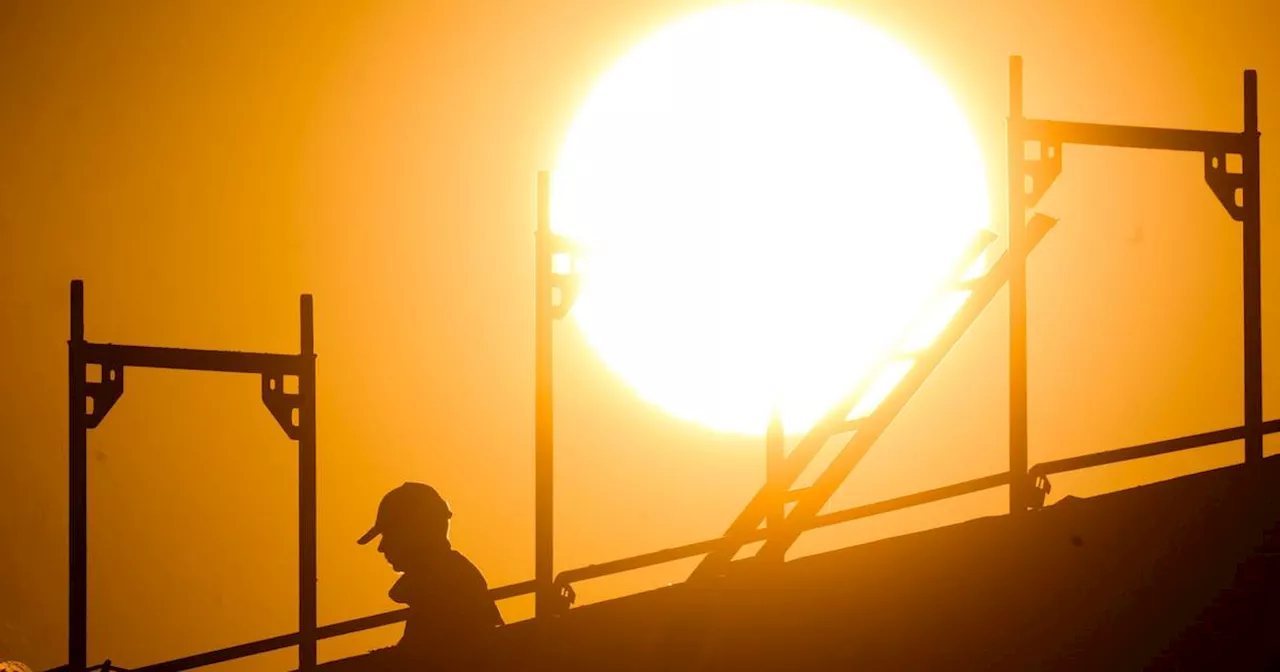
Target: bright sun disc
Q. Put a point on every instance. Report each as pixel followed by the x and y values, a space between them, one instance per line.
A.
pixel 769 199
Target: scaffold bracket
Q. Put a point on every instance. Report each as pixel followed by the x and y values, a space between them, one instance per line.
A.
pixel 564 276
pixel 1041 170
pixel 102 394
pixel 286 407
pixel 1040 489
pixel 1228 186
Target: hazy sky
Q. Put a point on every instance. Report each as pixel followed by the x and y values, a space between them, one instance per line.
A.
pixel 201 164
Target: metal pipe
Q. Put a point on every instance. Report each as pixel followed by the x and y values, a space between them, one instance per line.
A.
pixel 307 616
pixel 908 501
pixel 182 359
pixel 1135 137
pixel 775 440
pixel 1252 263
pixel 846 515
pixel 77 489
pixel 1139 451
pixel 1017 292
pixel 543 416
pixel 332 630
pixel 1151 449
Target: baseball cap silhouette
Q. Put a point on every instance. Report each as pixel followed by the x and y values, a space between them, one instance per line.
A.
pixel 406 507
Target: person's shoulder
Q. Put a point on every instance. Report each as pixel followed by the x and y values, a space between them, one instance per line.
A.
pixel 464 567
pixel 473 584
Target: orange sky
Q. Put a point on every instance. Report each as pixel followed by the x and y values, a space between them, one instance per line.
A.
pixel 200 164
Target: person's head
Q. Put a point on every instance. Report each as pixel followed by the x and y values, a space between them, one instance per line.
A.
pixel 413 521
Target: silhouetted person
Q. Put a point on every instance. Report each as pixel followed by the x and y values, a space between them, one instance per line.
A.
pixel 451 616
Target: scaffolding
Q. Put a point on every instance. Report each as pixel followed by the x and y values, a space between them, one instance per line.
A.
pixel 96 382
pixel 765 517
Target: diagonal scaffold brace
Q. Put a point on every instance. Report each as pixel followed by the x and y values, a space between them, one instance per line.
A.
pixel 865 430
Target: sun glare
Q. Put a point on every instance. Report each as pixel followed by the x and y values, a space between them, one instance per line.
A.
pixel 770 199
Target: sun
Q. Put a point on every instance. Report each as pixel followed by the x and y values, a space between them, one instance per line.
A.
pixel 769 198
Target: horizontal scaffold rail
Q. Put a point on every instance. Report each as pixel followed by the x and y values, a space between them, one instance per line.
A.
pixel 1135 137
pixel 182 359
pixel 1149 449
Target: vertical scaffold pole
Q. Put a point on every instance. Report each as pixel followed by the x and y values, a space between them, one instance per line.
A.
pixel 543 417
pixel 774 454
pixel 1251 165
pixel 1017 294
pixel 307 492
pixel 77 490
